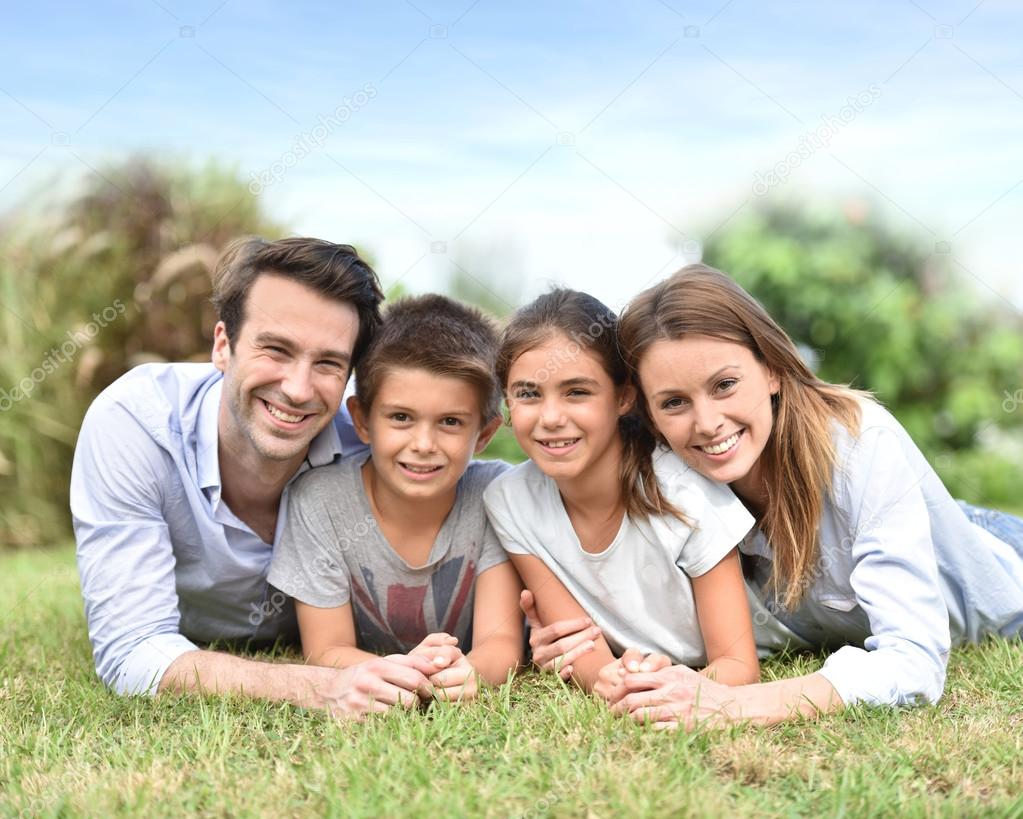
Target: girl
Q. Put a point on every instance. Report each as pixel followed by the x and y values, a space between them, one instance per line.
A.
pixel 596 525
pixel 858 545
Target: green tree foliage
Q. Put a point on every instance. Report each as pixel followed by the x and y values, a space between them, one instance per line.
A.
pixel 115 277
pixel 884 311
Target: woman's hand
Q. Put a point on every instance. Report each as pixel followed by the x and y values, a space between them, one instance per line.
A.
pixel 678 697
pixel 610 683
pixel 557 646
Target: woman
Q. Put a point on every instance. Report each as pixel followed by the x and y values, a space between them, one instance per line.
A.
pixel 858 545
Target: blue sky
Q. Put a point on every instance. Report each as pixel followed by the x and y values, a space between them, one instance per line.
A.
pixel 579 142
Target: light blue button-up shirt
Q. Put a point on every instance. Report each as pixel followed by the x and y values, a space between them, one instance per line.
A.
pixel 164 563
pixel 903 574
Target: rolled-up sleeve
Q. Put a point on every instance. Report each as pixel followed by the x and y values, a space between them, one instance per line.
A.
pixel 124 552
pixel 895 580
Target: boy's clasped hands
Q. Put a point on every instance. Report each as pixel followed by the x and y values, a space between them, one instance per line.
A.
pixel 454 678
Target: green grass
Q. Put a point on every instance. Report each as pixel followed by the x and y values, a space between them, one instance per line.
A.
pixel 533 748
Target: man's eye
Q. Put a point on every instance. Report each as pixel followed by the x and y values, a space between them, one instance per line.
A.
pixel 333 365
pixel 275 350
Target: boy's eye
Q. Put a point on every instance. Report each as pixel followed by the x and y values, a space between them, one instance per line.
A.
pixel 451 422
pixel 399 417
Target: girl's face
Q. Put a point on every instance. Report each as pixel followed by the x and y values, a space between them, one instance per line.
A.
pixel 565 408
pixel 711 401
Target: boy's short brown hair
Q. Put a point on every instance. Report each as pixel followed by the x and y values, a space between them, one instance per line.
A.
pixel 441 336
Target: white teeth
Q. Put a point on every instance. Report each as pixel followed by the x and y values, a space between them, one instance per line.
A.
pixel 724 446
pixel 558 444
pixel 276 413
pixel 420 470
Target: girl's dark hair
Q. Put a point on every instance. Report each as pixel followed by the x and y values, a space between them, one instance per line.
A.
pixel 591 326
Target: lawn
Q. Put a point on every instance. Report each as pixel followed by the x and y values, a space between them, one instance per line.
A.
pixel 532 748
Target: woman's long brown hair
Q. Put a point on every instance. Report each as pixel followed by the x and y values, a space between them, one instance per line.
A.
pixel 586 322
pixel 799 458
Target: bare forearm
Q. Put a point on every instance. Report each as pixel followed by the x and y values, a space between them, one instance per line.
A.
pixel 733 671
pixel 774 702
pixel 340 657
pixel 218 673
pixel 586 669
pixel 497 656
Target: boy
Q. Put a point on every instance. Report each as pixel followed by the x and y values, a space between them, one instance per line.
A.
pixel 390 551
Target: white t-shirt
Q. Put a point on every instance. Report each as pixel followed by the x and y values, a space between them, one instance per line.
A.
pixel 638 589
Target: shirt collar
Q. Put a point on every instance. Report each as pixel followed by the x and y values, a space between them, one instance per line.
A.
pixel 323 449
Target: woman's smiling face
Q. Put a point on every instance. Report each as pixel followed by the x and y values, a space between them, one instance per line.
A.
pixel 711 401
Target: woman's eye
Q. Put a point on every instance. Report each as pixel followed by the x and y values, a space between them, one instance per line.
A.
pixel 671 403
pixel 727 384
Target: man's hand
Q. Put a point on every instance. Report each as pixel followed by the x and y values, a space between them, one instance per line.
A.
pixel 610 683
pixel 371 687
pixel 677 697
pixel 557 646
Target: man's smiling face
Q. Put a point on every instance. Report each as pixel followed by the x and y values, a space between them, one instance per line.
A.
pixel 286 374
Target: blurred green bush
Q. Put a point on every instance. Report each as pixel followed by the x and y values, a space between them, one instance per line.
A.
pixel 118 276
pixel 887 312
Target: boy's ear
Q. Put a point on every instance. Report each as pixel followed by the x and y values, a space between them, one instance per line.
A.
pixel 626 399
pixel 358 419
pixel 486 434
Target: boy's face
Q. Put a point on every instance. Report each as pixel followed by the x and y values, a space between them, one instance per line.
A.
pixel 422 430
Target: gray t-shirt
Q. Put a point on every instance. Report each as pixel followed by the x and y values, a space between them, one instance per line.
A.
pixel 332 552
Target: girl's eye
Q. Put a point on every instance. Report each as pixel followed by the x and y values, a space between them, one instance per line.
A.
pixel 525 395
pixel 577 392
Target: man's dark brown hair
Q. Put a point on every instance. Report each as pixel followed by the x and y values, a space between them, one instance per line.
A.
pixel 441 336
pixel 335 271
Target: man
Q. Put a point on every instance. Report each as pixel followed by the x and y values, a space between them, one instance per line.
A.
pixel 180 483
